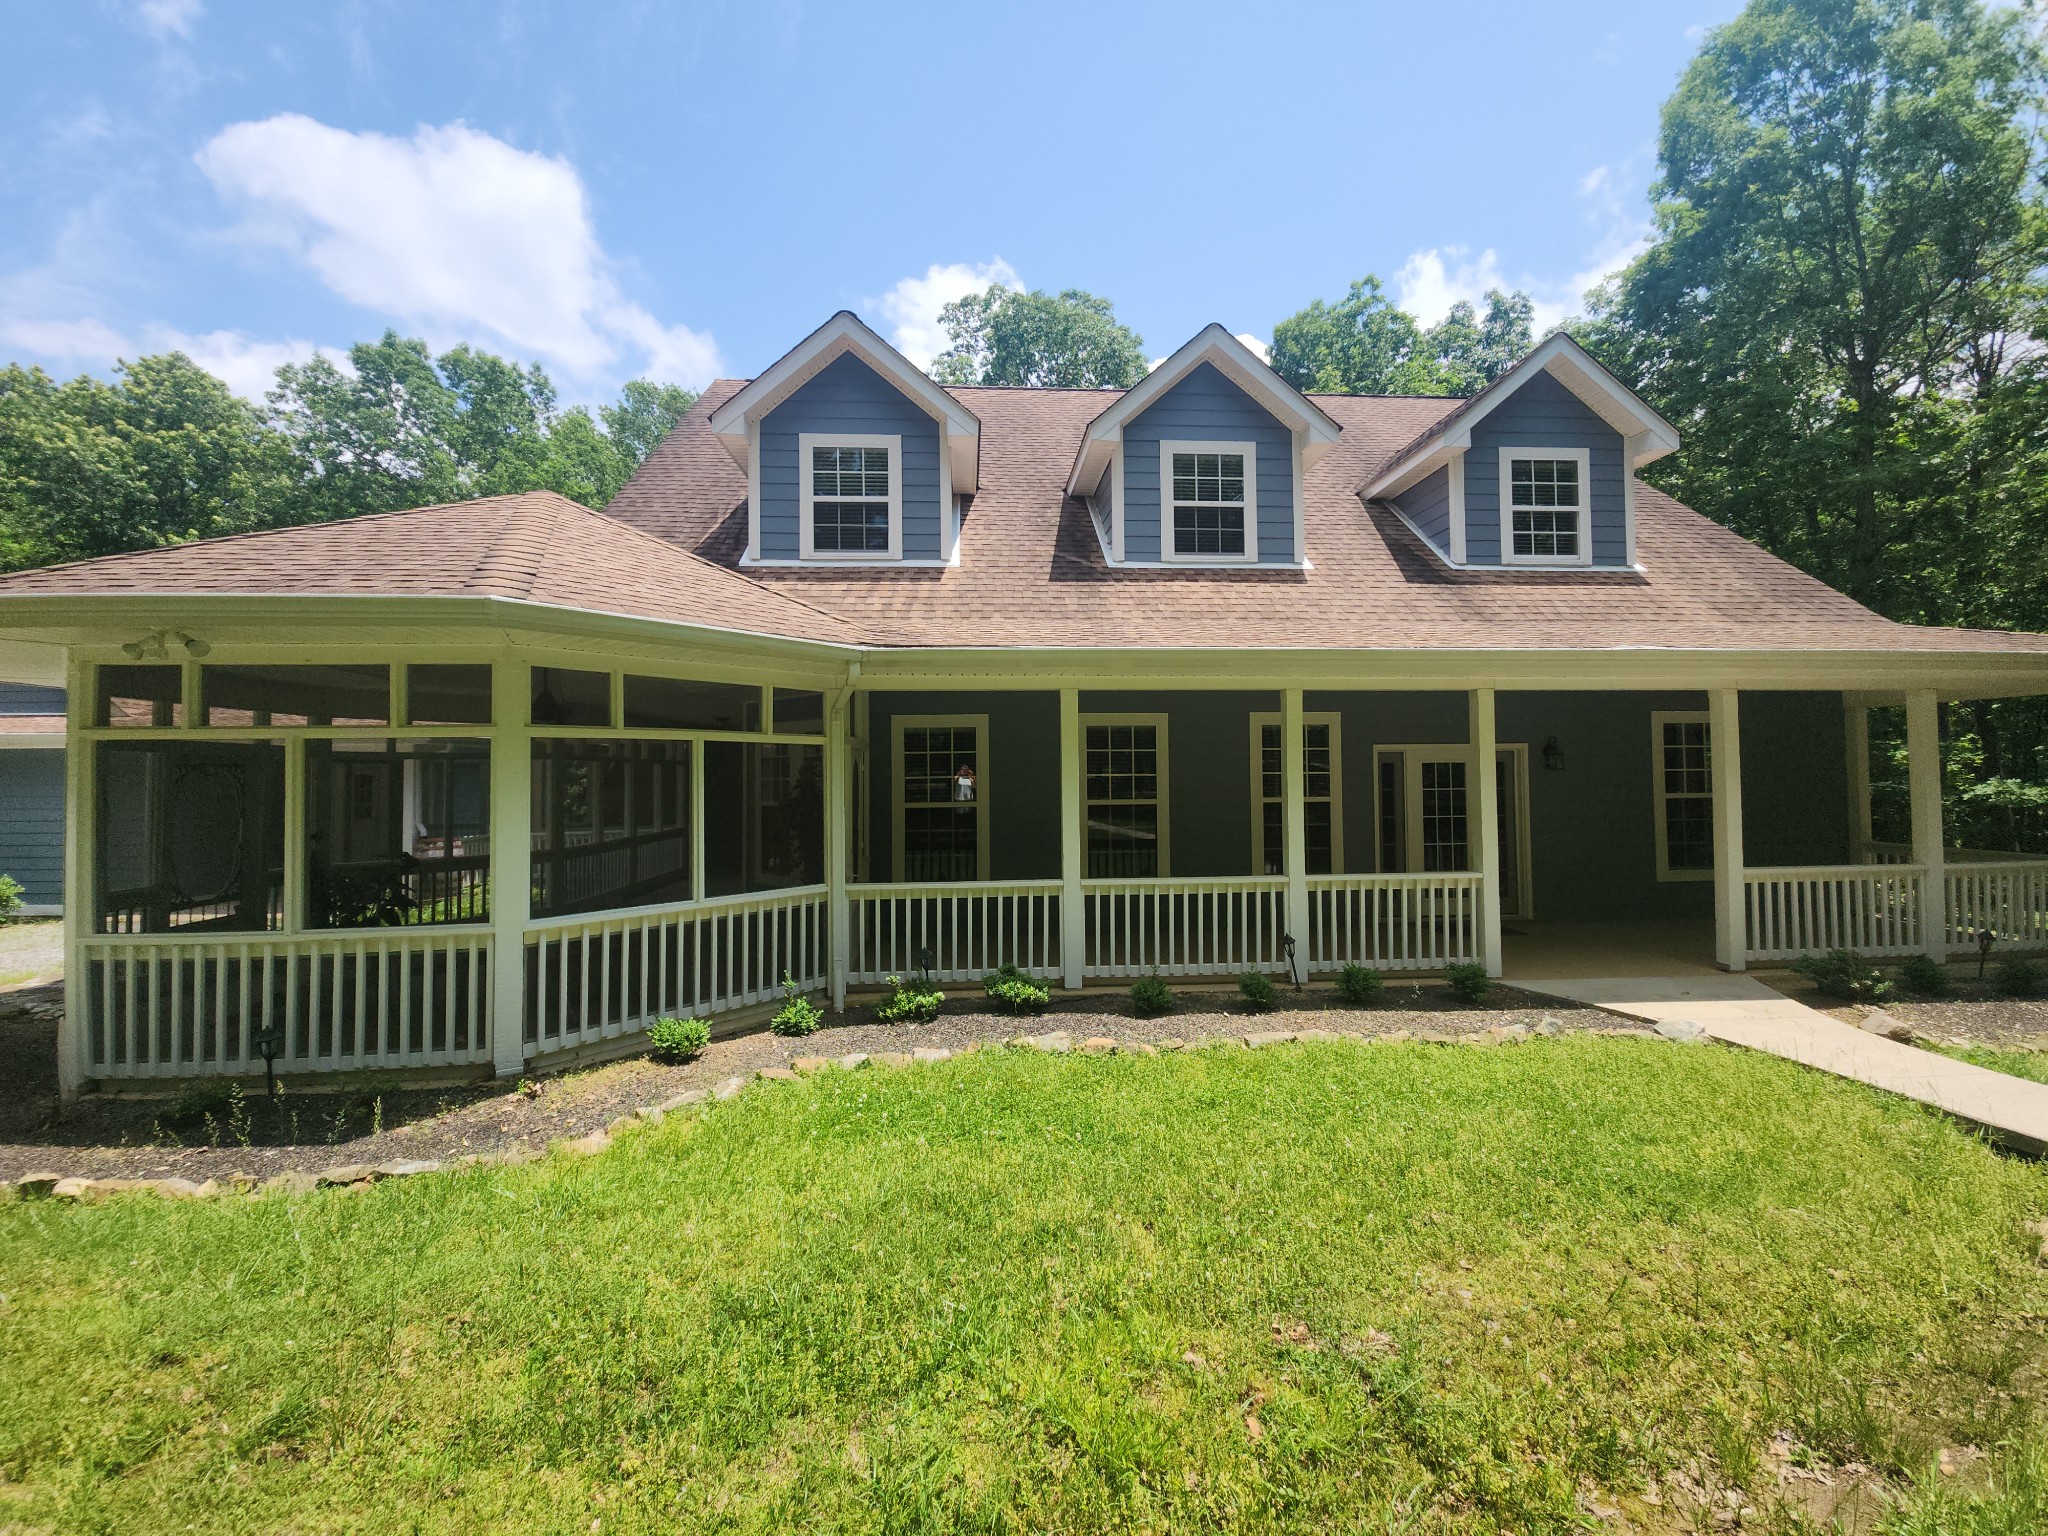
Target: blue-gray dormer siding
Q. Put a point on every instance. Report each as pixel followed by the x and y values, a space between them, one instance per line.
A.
pixel 848 396
pixel 1207 407
pixel 1542 413
pixel 1427 504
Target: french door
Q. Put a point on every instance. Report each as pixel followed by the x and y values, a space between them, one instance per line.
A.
pixel 1425 815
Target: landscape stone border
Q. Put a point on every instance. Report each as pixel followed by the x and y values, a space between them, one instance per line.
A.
pixel 359 1176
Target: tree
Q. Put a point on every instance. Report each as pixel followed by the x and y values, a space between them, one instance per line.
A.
pixel 1468 353
pixel 1842 309
pixel 1366 345
pixel 1071 340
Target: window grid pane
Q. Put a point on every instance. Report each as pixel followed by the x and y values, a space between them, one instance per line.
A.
pixel 850 509
pixel 1318 811
pixel 1444 840
pixel 1208 503
pixel 1544 498
pixel 1123 801
pixel 1687 787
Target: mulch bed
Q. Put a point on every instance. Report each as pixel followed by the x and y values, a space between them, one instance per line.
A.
pixel 1974 1014
pixel 109 1136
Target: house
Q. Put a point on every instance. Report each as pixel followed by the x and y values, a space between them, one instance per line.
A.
pixel 861 675
pixel 32 795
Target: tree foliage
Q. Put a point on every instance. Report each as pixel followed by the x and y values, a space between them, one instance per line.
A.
pixel 1069 340
pixel 165 452
pixel 1364 344
pixel 1842 311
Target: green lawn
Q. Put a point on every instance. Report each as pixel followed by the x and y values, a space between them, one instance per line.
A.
pixel 1329 1287
pixel 2027 1064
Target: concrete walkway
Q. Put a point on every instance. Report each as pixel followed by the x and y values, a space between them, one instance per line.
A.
pixel 1739 1010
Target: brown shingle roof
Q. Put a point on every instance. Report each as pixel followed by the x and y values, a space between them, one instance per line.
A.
pixel 1031 571
pixel 537 547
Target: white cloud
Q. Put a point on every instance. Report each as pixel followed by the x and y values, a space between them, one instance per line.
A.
pixel 453 231
pixel 169 18
pixel 247 363
pixel 1263 350
pixel 911 308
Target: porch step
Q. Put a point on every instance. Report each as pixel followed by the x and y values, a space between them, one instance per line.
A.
pixel 1739 1010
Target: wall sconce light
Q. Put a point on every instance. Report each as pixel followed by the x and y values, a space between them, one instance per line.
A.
pixel 156 646
pixel 1553 756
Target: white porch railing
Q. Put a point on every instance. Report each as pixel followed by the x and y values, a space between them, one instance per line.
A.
pixel 2006 898
pixel 1392 922
pixel 174 1005
pixel 968 930
pixel 599 976
pixel 1179 927
pixel 1874 909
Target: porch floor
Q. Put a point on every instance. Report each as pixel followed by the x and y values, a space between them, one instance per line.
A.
pixel 1557 951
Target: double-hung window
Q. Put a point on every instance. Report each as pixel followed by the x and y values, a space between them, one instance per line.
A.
pixel 1209 500
pixel 1321 777
pixel 1126 796
pixel 852 496
pixel 1544 506
pixel 1683 764
pixel 941 797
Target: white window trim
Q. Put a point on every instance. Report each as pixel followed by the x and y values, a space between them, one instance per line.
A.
pixel 1167 449
pixel 1407 753
pixel 1660 795
pixel 1584 459
pixel 898 724
pixel 1164 799
pixel 1335 721
pixel 805 443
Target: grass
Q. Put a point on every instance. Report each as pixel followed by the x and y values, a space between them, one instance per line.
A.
pixel 1337 1287
pixel 31 949
pixel 2032 1065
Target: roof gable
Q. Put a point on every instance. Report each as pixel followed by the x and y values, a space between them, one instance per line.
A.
pixel 846 332
pixel 1236 362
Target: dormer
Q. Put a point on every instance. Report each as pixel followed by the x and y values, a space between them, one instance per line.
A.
pixel 1536 471
pixel 853 456
pixel 1201 464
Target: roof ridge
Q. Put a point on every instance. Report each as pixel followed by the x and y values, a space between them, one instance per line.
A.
pixel 511 565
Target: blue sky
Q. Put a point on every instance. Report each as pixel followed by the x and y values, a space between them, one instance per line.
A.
pixel 617 188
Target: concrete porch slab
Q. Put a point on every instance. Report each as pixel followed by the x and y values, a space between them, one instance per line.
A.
pixel 1740 1010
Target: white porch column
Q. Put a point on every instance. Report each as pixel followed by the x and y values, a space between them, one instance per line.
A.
pixel 1923 775
pixel 81 811
pixel 1073 841
pixel 511 814
pixel 1294 824
pixel 1856 746
pixel 838 808
pixel 1484 802
pixel 1724 746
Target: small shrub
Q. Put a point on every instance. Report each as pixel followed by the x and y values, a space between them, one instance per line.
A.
pixel 1359 985
pixel 1468 981
pixel 2021 977
pixel 675 1040
pixel 1924 976
pixel 10 900
pixel 1844 974
pixel 1258 991
pixel 798 1015
pixel 1150 996
pixel 1016 991
pixel 910 1002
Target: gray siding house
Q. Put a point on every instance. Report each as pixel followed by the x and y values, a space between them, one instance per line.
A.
pixel 861 676
pixel 32 794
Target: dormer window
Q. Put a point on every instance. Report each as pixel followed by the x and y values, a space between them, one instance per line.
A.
pixel 1546 504
pixel 1211 490
pixel 852 496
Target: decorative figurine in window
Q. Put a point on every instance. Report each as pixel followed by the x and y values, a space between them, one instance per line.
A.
pixel 963 783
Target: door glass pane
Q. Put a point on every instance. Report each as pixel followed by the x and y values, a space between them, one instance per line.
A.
pixel 1392 814
pixel 1510 835
pixel 1445 845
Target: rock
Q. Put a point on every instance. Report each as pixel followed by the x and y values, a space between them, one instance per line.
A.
pixel 1139 1048
pixel 293 1183
pixel 1264 1037
pixel 682 1100
pixel 1057 1041
pixel 69 1189
pixel 99 1189
pixel 931 1053
pixel 1878 1022
pixel 1098 1045
pixel 776 1075
pixel 728 1088
pixel 1434 1036
pixel 652 1114
pixel 1689 1031
pixel 345 1173
pixel 1173 1043
pixel 1397 1036
pixel 1317 1034
pixel 35 1186
pixel 242 1181
pixel 891 1058
pixel 809 1064
pixel 621 1125
pixel 406 1167
pixel 184 1189
pixel 585 1146
pixel 851 1060
pixel 1509 1032
pixel 968 1049
pixel 1549 1029
pixel 1482 1037
pixel 520 1153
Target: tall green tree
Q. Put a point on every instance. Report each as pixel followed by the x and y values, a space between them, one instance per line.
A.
pixel 1068 340
pixel 1365 344
pixel 1468 350
pixel 1842 310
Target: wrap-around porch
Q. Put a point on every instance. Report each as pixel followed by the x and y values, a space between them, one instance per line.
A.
pixel 302 859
